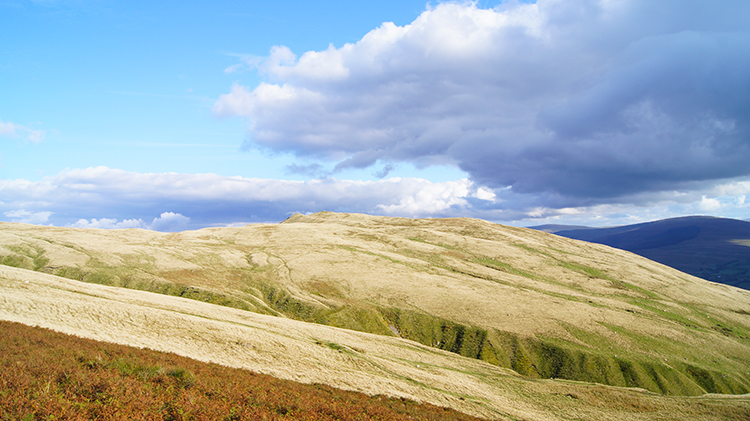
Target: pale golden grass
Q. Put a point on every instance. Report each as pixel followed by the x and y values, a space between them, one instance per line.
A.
pixel 313 353
pixel 355 254
pixel 537 285
pixel 386 261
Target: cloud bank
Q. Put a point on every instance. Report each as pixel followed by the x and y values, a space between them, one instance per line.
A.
pixel 167 221
pixel 101 197
pixel 553 105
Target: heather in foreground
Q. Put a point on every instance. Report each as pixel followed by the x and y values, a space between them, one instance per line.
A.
pixel 49 375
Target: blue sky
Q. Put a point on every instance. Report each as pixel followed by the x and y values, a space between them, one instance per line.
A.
pixel 175 115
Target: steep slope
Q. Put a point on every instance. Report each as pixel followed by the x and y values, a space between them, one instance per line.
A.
pixel 48 375
pixel 313 353
pixel 540 304
pixel 717 249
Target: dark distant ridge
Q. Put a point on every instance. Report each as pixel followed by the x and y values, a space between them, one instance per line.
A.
pixel 717 249
pixel 554 228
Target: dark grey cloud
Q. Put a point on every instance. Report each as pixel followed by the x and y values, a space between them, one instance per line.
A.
pixel 571 103
pixel 387 168
pixel 313 170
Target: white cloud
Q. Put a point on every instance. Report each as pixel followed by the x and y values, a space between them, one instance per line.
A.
pixel 13 130
pixel 247 62
pixel 109 223
pixel 167 221
pixel 571 103
pixel 101 197
pixel 430 199
pixel 485 194
pixel 734 188
pixel 709 205
pixel 27 217
pixel 108 198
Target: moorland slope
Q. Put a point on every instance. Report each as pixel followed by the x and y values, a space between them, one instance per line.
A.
pixel 47 375
pixel 541 305
pixel 312 353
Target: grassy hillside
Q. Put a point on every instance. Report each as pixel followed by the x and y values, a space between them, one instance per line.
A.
pixel 717 249
pixel 49 375
pixel 541 305
pixel 303 352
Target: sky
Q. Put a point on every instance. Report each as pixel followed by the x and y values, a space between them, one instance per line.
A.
pixel 181 115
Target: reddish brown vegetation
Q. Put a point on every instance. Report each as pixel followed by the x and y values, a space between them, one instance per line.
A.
pixel 49 375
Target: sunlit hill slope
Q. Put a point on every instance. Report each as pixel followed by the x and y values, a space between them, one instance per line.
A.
pixel 514 298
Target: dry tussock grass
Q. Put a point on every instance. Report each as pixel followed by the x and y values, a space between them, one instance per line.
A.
pixel 516 285
pixel 320 354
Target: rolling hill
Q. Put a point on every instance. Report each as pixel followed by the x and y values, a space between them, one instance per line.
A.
pixel 717 249
pixel 495 321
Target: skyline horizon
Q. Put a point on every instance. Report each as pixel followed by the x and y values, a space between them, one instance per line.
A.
pixel 176 116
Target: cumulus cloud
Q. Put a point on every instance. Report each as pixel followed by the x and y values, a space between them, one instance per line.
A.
pixel 109 223
pixel 101 197
pixel 709 205
pixel 27 217
pixel 12 130
pixel 167 221
pixel 559 104
pixel 485 194
pixel 431 199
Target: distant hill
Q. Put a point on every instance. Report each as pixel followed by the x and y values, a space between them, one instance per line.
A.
pixel 553 228
pixel 494 321
pixel 717 249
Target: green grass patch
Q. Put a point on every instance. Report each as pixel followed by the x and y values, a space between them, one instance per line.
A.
pixel 642 291
pixel 25 257
pixel 360 317
pixel 17 261
pixel 505 267
pixel 369 253
pixel 732 331
pixel 689 319
pixel 445 246
pixel 592 272
pixel 726 374
pixel 283 302
pixel 535 251
pixel 469 341
pixel 598 362
pixel 125 278
pixel 585 270
pixel 334 346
